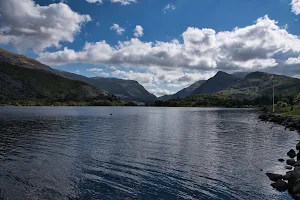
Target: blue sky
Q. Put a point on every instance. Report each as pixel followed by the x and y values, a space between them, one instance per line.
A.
pixel 166 45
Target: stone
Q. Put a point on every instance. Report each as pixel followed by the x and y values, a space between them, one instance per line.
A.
pixel 288 167
pixel 281 160
pixel 298 156
pixel 292 153
pixel 288 175
pixel 296 188
pixel 298 146
pixel 290 162
pixel 297 164
pixel 274 177
pixel 280 185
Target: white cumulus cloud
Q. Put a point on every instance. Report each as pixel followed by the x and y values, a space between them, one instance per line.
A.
pixel 160 92
pixel 27 25
pixel 259 46
pixel 296 6
pixel 122 2
pixel 119 30
pixel 138 31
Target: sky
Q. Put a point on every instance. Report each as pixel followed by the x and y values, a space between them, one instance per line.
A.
pixel 165 45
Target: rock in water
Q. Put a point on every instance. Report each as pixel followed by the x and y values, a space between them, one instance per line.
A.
pixel 280 185
pixel 297 164
pixel 281 160
pixel 288 176
pixel 290 162
pixel 298 146
pixel 291 153
pixel 274 177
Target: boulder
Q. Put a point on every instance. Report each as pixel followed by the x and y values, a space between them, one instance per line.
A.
pixel 292 153
pixel 298 146
pixel 297 164
pixel 290 162
pixel 280 185
pixel 288 175
pixel 274 177
pixel 296 188
pixel 281 160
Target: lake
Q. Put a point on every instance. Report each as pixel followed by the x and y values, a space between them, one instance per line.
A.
pixel 139 153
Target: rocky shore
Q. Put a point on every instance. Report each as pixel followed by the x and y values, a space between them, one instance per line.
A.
pixel 291 180
pixel 290 122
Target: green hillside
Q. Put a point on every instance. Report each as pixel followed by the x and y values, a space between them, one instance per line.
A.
pixel 125 89
pixel 258 84
pixel 255 89
pixel 30 86
pixel 217 83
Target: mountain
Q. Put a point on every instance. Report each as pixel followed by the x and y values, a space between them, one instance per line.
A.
pixel 258 84
pixel 217 83
pixel 240 74
pixel 7 57
pixel 128 89
pixel 25 80
pixel 184 92
pixel 125 89
pixel 255 89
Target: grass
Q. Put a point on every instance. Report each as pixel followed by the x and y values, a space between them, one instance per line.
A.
pixel 294 112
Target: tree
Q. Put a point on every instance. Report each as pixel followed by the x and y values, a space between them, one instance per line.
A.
pixel 297 99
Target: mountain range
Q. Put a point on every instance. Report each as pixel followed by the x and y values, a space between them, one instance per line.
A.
pixel 27 79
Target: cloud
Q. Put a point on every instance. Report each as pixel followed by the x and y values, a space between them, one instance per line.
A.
pixel 143 78
pixel 95 1
pixel 119 30
pixel 261 46
pixel 138 31
pixel 76 71
pixel 160 92
pixel 168 7
pixel 94 70
pixel 122 2
pixel 296 6
pixel 293 61
pixel 104 74
pixel 27 25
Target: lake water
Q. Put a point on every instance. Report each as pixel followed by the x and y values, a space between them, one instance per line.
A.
pixel 139 153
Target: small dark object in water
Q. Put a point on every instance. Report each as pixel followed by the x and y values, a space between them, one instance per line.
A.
pixel 281 160
pixel 274 177
pixel 290 162
pixel 110 114
pixel 280 185
pixel 292 153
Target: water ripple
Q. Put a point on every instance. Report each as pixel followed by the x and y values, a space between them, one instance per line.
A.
pixel 138 153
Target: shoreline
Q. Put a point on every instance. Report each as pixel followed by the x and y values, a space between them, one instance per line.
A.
pixel 290 122
pixel 291 180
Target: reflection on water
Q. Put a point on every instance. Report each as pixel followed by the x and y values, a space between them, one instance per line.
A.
pixel 138 153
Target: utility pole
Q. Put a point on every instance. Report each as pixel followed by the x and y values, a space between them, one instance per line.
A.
pixel 273 97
